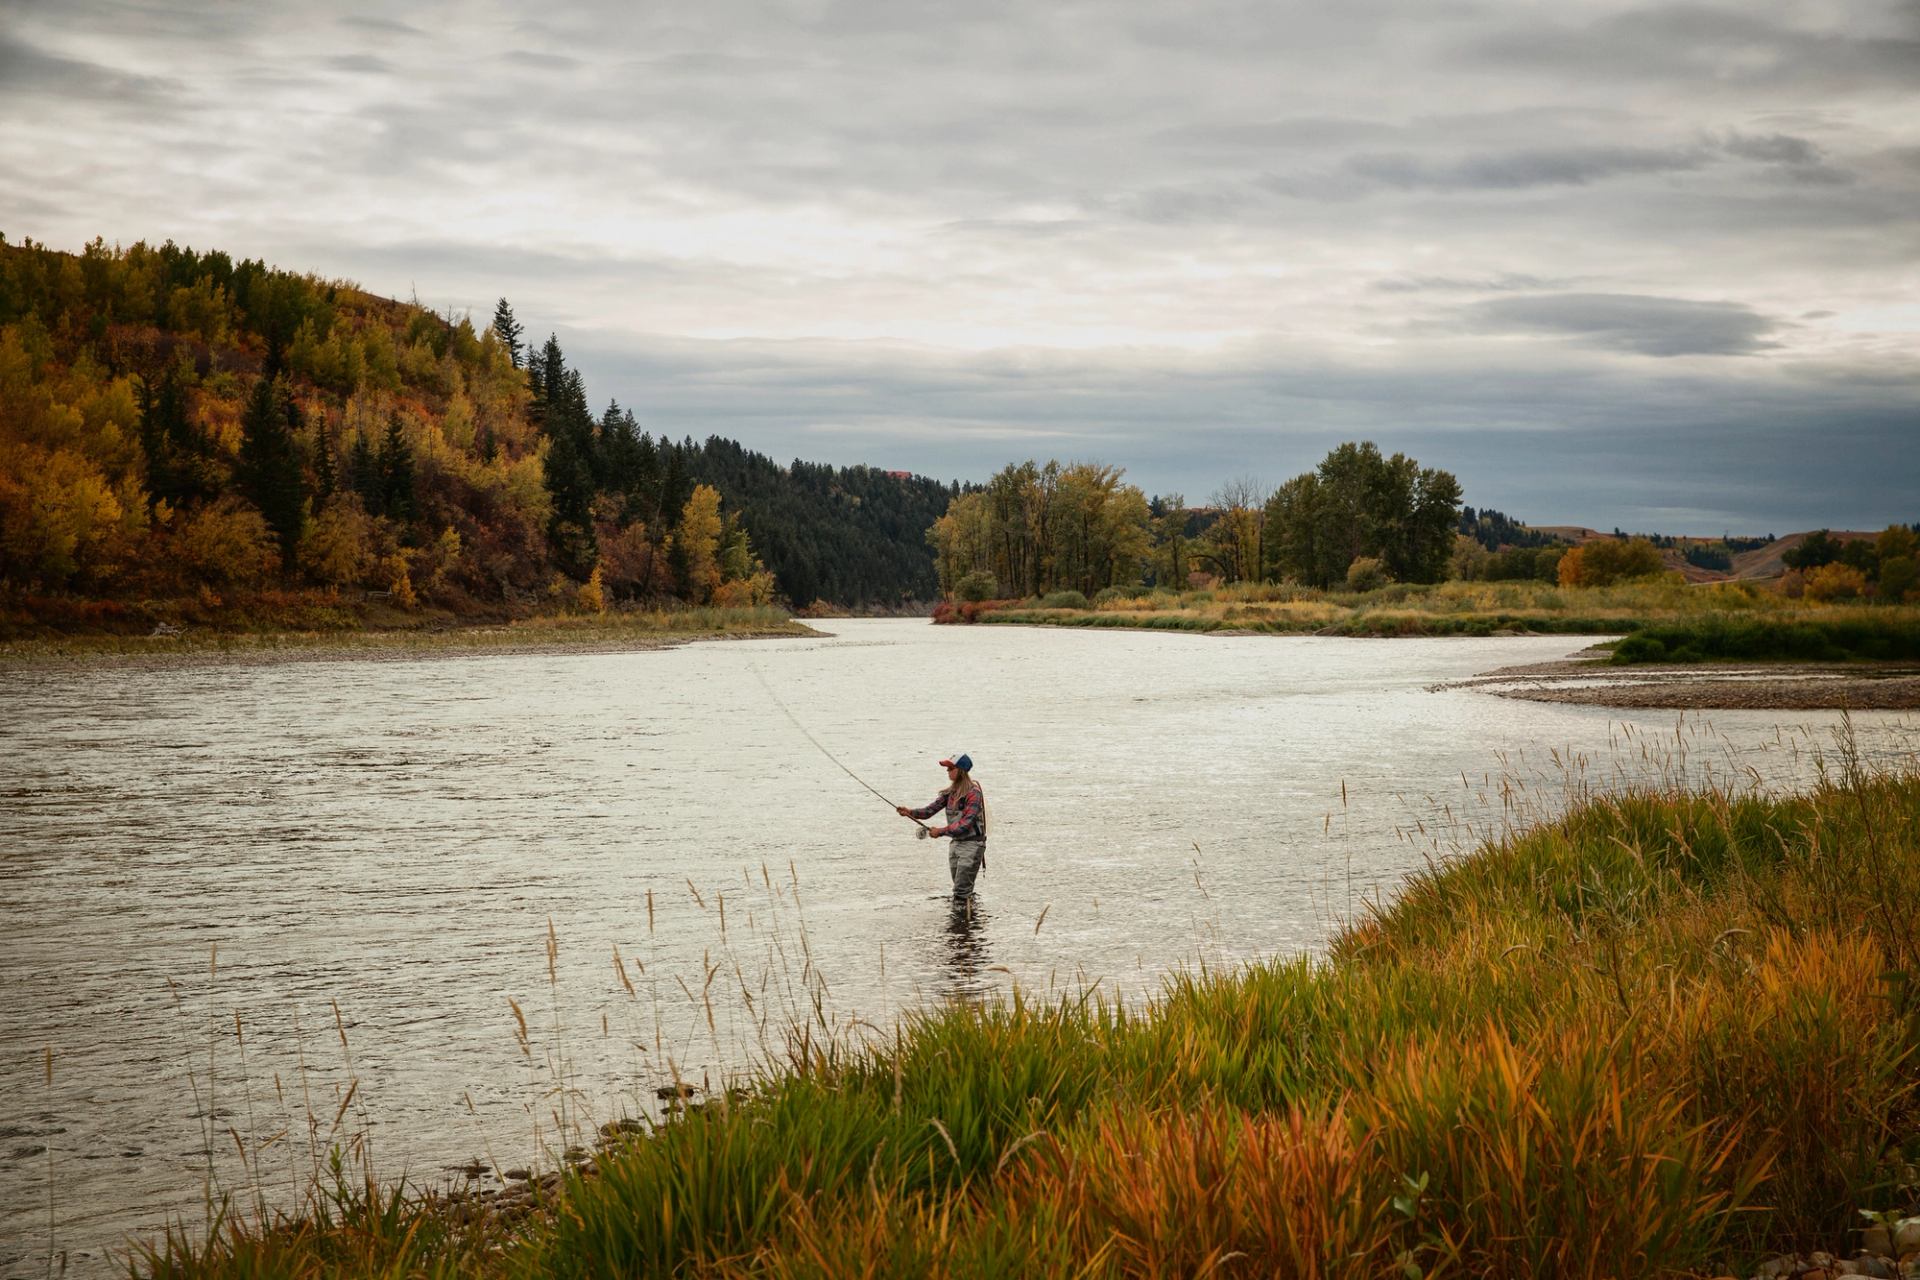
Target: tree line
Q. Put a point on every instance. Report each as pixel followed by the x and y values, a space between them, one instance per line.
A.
pixel 1033 529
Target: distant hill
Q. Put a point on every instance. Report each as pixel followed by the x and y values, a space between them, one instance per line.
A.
pixel 1746 563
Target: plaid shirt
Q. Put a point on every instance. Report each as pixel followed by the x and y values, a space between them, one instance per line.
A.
pixel 963 819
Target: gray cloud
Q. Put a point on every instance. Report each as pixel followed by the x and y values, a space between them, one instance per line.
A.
pixel 1725 46
pixel 1533 167
pixel 1193 240
pixel 542 61
pixel 1627 322
pixel 1506 282
pixel 382 26
pixel 362 62
pixel 29 70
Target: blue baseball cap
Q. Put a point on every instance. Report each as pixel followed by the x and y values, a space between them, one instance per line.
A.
pixel 959 760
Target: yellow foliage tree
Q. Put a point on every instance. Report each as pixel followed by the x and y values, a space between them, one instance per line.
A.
pixel 399 576
pixel 60 519
pixel 224 543
pixel 1605 561
pixel 1836 581
pixel 338 544
pixel 699 543
pixel 592 596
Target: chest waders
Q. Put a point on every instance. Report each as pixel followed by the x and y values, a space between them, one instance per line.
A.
pixel 966 859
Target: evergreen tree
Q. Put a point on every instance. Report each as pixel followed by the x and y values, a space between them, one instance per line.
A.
pixel 363 474
pixel 508 329
pixel 269 470
pixel 396 473
pixel 323 471
pixel 179 465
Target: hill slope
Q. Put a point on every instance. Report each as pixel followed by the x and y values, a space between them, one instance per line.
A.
pixel 178 426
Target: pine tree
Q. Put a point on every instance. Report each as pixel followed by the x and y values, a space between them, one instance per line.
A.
pixel 509 330
pixel 269 470
pixel 325 479
pixel 363 474
pixel 396 473
pixel 178 462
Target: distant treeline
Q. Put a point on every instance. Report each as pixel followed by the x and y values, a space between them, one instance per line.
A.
pixel 1034 530
pixel 1495 531
pixel 175 422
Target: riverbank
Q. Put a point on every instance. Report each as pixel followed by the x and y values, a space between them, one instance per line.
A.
pixel 1595 678
pixel 1717 612
pixel 611 632
pixel 1719 687
pixel 1668 1033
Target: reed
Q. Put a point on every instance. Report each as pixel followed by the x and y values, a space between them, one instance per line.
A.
pixel 1659 1033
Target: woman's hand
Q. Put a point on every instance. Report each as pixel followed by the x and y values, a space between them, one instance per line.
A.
pixel 903 811
pixel 936 831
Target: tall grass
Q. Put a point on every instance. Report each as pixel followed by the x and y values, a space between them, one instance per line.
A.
pixel 1657 1035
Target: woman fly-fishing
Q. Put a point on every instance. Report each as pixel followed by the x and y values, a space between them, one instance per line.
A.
pixel 966 814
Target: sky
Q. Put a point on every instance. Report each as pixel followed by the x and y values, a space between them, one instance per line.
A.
pixel 1639 265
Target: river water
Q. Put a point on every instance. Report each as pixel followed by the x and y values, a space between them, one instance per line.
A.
pixel 255 910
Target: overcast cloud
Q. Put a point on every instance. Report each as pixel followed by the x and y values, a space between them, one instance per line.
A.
pixel 1638 264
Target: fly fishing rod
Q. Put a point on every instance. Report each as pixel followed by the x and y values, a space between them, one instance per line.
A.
pixel 795 720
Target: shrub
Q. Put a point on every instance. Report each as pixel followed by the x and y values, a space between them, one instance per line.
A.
pixel 1898 577
pixel 1605 561
pixel 592 596
pixel 1064 600
pixel 976 586
pixel 1367 574
pixel 1109 595
pixel 1836 581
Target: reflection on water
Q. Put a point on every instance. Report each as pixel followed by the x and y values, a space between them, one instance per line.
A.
pixel 237 895
pixel 967 951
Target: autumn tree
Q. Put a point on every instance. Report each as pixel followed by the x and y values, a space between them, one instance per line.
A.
pixel 697 544
pixel 1234 542
pixel 1605 561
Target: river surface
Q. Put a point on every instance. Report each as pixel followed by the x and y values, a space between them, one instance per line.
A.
pixel 257 909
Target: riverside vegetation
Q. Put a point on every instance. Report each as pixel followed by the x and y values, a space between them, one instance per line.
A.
pixel 1669 1032
pixel 1670 620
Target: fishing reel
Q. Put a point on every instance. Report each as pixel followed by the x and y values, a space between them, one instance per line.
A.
pixel 921 833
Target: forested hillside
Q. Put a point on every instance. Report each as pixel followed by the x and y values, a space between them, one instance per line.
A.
pixel 177 426
pixel 850 535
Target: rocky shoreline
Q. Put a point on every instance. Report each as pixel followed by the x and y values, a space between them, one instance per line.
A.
pixel 1586 679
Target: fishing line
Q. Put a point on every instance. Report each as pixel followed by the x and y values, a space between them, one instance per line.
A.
pixel 761 676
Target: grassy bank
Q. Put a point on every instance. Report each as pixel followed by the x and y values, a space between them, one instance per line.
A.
pixel 1447 609
pixel 373 633
pixel 1852 635
pixel 1659 1036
